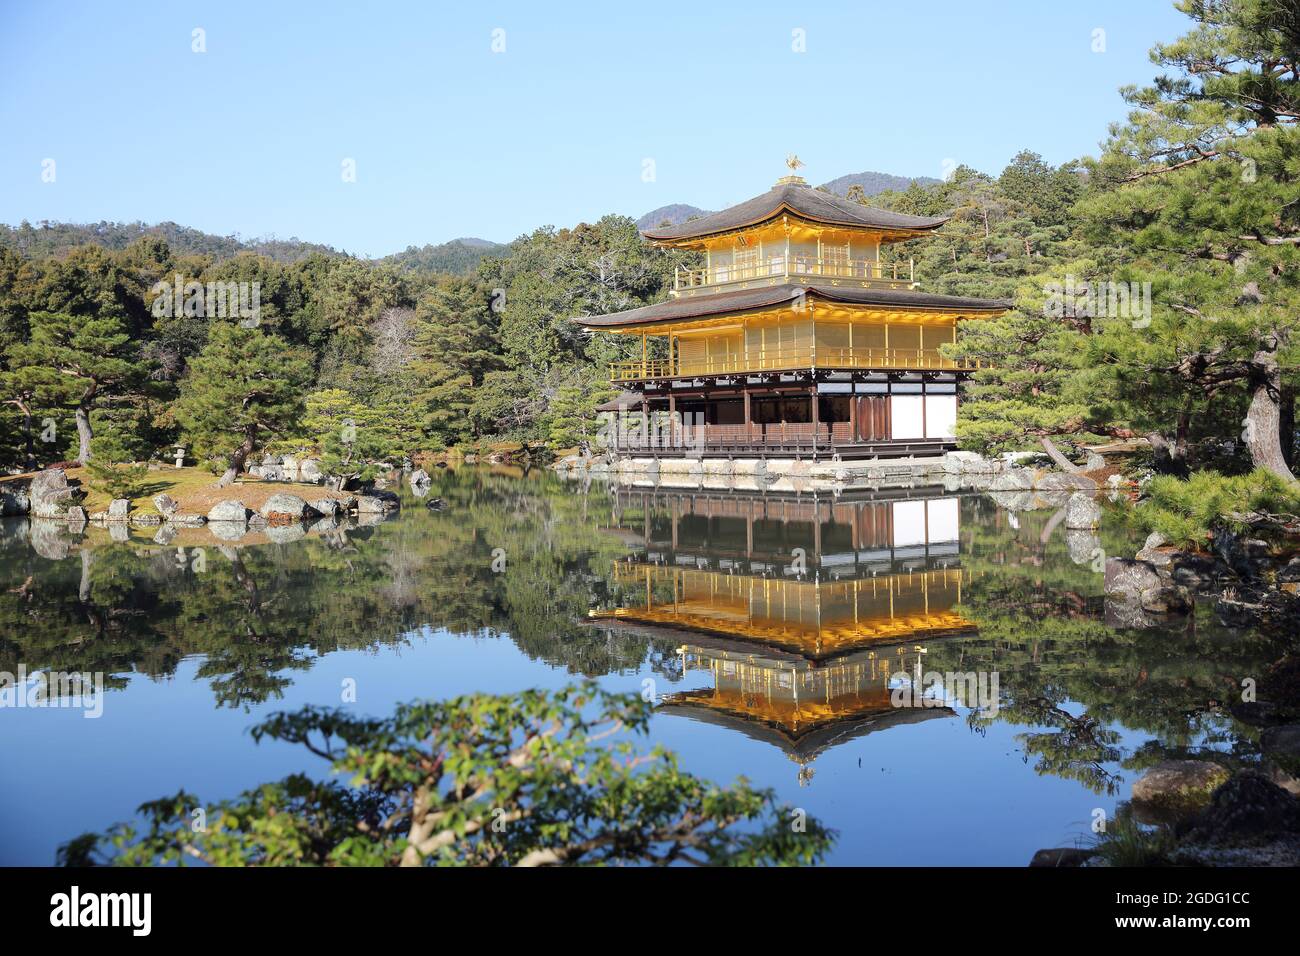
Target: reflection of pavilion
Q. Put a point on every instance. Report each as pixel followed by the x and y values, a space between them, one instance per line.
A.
pixel 811 576
pixel 800 608
pixel 800 707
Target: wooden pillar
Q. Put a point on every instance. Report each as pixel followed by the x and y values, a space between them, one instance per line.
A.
pixel 853 415
pixel 645 421
pixel 749 430
pixel 925 427
pixel 672 424
pixel 812 390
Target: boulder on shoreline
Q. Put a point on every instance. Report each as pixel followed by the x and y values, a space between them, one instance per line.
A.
pixel 50 494
pixel 1250 821
pixel 228 512
pixel 378 502
pixel 1175 788
pixel 166 505
pixel 1281 747
pixel 1065 856
pixel 1139 584
pixel 282 508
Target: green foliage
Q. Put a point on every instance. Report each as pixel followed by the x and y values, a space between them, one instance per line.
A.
pixel 1129 843
pixel 1026 387
pixel 118 480
pixel 1187 511
pixel 73 362
pixel 526 779
pixel 244 384
pixel 460 257
pixel 1194 192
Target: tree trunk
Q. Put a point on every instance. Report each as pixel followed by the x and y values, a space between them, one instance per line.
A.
pixel 1172 459
pixel 83 434
pixel 83 422
pixel 1062 462
pixel 237 459
pixel 30 464
pixel 1286 426
pixel 1264 419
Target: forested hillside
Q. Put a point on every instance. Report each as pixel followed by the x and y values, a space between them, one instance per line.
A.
pixel 54 238
pixel 872 184
pixel 457 257
pixel 1197 192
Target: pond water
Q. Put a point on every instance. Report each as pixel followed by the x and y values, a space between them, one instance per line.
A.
pixel 779 633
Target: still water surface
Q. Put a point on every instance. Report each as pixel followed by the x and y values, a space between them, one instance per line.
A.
pixel 771 628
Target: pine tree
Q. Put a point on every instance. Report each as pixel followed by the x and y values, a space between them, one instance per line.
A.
pixel 1199 192
pixel 244 386
pixel 76 362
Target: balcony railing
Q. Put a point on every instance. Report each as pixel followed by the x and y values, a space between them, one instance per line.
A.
pixel 781 267
pixel 788 360
pixel 667 436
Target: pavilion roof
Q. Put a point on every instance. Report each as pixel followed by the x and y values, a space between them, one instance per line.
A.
pixel 748 300
pixel 799 200
pixel 623 400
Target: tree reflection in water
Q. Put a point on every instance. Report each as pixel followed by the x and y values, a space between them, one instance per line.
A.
pixel 1020 597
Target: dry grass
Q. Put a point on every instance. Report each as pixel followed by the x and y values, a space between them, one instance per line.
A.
pixel 195 490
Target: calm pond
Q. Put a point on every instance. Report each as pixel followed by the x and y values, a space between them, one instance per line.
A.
pixel 778 632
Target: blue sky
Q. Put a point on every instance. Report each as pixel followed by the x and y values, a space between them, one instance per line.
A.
pixel 451 139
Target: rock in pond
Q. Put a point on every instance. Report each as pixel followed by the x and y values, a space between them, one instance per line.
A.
pixel 1016 479
pixel 1064 481
pixel 325 506
pixel 1064 856
pixel 378 503
pixel 1179 787
pixel 1250 821
pixel 50 495
pixel 1281 746
pixel 229 512
pixel 283 507
pixel 166 505
pixel 1139 584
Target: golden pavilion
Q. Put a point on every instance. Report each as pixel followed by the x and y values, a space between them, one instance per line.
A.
pixel 792 338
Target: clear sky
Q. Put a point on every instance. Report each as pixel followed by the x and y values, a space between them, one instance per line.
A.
pixel 451 138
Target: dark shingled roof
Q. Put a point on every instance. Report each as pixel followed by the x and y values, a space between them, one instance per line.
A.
pixel 801 200
pixel 620 401
pixel 745 300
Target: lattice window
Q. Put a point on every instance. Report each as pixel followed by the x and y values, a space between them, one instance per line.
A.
pixel 835 260
pixel 746 263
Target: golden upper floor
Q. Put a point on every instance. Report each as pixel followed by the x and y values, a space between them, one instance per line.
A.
pixel 792 280
pixel 791 233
